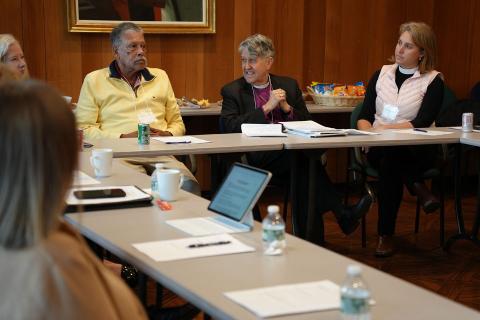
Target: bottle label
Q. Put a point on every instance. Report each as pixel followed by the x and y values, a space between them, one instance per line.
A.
pixel 270 235
pixel 354 305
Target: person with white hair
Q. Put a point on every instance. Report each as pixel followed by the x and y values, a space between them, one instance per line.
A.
pixel 11 54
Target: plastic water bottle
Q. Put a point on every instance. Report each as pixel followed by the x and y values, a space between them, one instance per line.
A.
pixel 273 232
pixel 355 296
pixel 154 183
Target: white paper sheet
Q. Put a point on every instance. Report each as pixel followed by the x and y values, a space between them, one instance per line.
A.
pixel 262 130
pixel 460 128
pixel 179 249
pixel 308 126
pixel 289 299
pixel 80 178
pixel 132 194
pixel 180 140
pixel 199 226
pixel 428 132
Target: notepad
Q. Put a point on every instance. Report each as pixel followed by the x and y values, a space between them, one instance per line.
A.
pixel 195 247
pixel 134 197
pixel 427 132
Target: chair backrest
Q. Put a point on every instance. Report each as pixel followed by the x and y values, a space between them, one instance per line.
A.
pixel 475 93
pixel 221 125
pixel 449 98
pixel 354 115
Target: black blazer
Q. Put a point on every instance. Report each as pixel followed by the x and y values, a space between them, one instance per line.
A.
pixel 239 106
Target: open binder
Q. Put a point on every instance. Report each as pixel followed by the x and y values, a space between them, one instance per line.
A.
pixel 312 129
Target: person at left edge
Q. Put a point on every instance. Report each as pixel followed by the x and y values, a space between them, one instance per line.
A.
pixel 262 97
pixel 11 55
pixel 112 98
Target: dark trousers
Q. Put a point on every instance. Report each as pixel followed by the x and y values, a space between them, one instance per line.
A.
pixel 397 166
pixel 279 164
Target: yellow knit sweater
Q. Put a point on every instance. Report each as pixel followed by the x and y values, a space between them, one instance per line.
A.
pixel 108 106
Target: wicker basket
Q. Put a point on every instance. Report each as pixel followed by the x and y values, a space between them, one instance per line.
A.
pixel 335 101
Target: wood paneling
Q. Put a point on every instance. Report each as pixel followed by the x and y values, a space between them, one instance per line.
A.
pixel 323 40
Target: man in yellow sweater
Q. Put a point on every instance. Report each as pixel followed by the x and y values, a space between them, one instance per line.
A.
pixel 112 100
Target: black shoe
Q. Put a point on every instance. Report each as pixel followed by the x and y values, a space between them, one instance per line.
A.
pixel 185 312
pixel 429 202
pixel 130 275
pixel 385 247
pixel 350 218
pixel 362 207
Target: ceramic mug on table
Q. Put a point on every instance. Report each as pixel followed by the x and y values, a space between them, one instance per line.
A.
pixel 101 160
pixel 169 183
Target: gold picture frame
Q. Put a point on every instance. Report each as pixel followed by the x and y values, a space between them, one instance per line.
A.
pixel 154 16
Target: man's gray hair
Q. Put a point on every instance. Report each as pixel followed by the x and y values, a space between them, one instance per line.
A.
pixel 6 40
pixel 119 30
pixel 258 45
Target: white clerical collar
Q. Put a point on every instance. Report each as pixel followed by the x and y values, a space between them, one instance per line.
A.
pixel 407 71
pixel 262 86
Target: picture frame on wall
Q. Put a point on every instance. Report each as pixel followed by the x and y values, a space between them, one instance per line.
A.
pixel 154 16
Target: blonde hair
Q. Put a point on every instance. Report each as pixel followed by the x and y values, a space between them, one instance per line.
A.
pixel 424 38
pixel 39 153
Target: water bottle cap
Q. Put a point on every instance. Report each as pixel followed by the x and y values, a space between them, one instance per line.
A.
pixel 159 165
pixel 273 209
pixel 354 270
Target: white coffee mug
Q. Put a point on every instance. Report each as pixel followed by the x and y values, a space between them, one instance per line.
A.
pixel 101 160
pixel 169 183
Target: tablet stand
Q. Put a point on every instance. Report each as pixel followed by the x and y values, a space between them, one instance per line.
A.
pixel 248 219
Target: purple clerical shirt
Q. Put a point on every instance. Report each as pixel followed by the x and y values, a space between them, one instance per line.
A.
pixel 277 115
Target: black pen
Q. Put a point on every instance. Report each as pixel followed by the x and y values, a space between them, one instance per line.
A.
pixel 177 142
pixel 201 245
pixel 420 130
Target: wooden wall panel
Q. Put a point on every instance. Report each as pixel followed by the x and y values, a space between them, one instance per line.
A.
pixel 323 40
pixel 313 42
pixel 62 50
pixel 33 37
pixel 454 26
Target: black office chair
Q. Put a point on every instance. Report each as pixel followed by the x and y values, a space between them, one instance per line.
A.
pixel 366 175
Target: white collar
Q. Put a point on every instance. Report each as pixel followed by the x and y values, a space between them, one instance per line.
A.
pixel 407 71
pixel 262 86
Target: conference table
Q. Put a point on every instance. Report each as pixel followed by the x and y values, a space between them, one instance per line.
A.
pixel 203 281
pixel 314 222
pixel 469 139
pixel 239 143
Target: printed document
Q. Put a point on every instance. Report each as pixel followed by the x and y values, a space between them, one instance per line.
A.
pixel 289 299
pixel 195 247
pixel 262 130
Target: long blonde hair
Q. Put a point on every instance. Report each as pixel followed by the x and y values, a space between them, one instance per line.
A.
pixel 39 153
pixel 424 38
